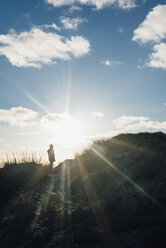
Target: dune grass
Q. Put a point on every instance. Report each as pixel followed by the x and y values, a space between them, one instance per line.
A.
pixel 110 195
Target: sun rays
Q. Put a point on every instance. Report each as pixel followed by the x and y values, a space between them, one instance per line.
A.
pixel 118 171
pixel 57 187
pixel 77 184
pixel 43 203
pixel 59 128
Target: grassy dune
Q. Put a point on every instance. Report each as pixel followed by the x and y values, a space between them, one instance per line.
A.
pixel 111 195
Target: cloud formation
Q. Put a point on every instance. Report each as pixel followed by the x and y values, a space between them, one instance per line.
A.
pixel 63 126
pixel 37 47
pixel 72 23
pixel 28 133
pixel 18 116
pixel 57 119
pixel 53 25
pixel 153 27
pixel 97 114
pixel 110 63
pixel 99 4
pixel 138 123
pixel 157 58
pixel 74 8
pixel 53 118
pixel 120 30
pixel 125 120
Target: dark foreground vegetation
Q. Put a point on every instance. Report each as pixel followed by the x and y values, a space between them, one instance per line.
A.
pixel 112 195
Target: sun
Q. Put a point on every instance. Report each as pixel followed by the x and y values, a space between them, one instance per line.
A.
pixel 66 130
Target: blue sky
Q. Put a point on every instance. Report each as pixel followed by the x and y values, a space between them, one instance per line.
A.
pixel 73 72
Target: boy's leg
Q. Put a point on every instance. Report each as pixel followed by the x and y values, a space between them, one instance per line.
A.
pixel 50 172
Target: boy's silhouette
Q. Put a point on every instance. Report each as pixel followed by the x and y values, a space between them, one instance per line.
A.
pixel 51 157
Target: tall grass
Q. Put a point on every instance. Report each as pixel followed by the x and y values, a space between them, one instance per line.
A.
pixel 23 158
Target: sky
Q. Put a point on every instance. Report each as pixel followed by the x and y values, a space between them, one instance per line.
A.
pixel 72 71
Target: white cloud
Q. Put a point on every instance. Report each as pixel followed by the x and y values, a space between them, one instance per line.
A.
pixel 120 30
pixel 157 58
pixel 37 47
pixel 71 23
pixel 157 125
pixel 141 64
pixel 106 62
pixel 63 126
pixel 53 25
pixel 97 114
pixel 54 118
pixel 110 63
pixel 28 133
pixel 18 116
pixel 99 4
pixel 138 123
pixel 125 120
pixel 26 15
pixel 57 119
pixel 153 27
pixel 126 4
pixel 74 8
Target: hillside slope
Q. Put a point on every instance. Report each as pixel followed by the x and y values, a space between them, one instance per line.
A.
pixel 112 195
